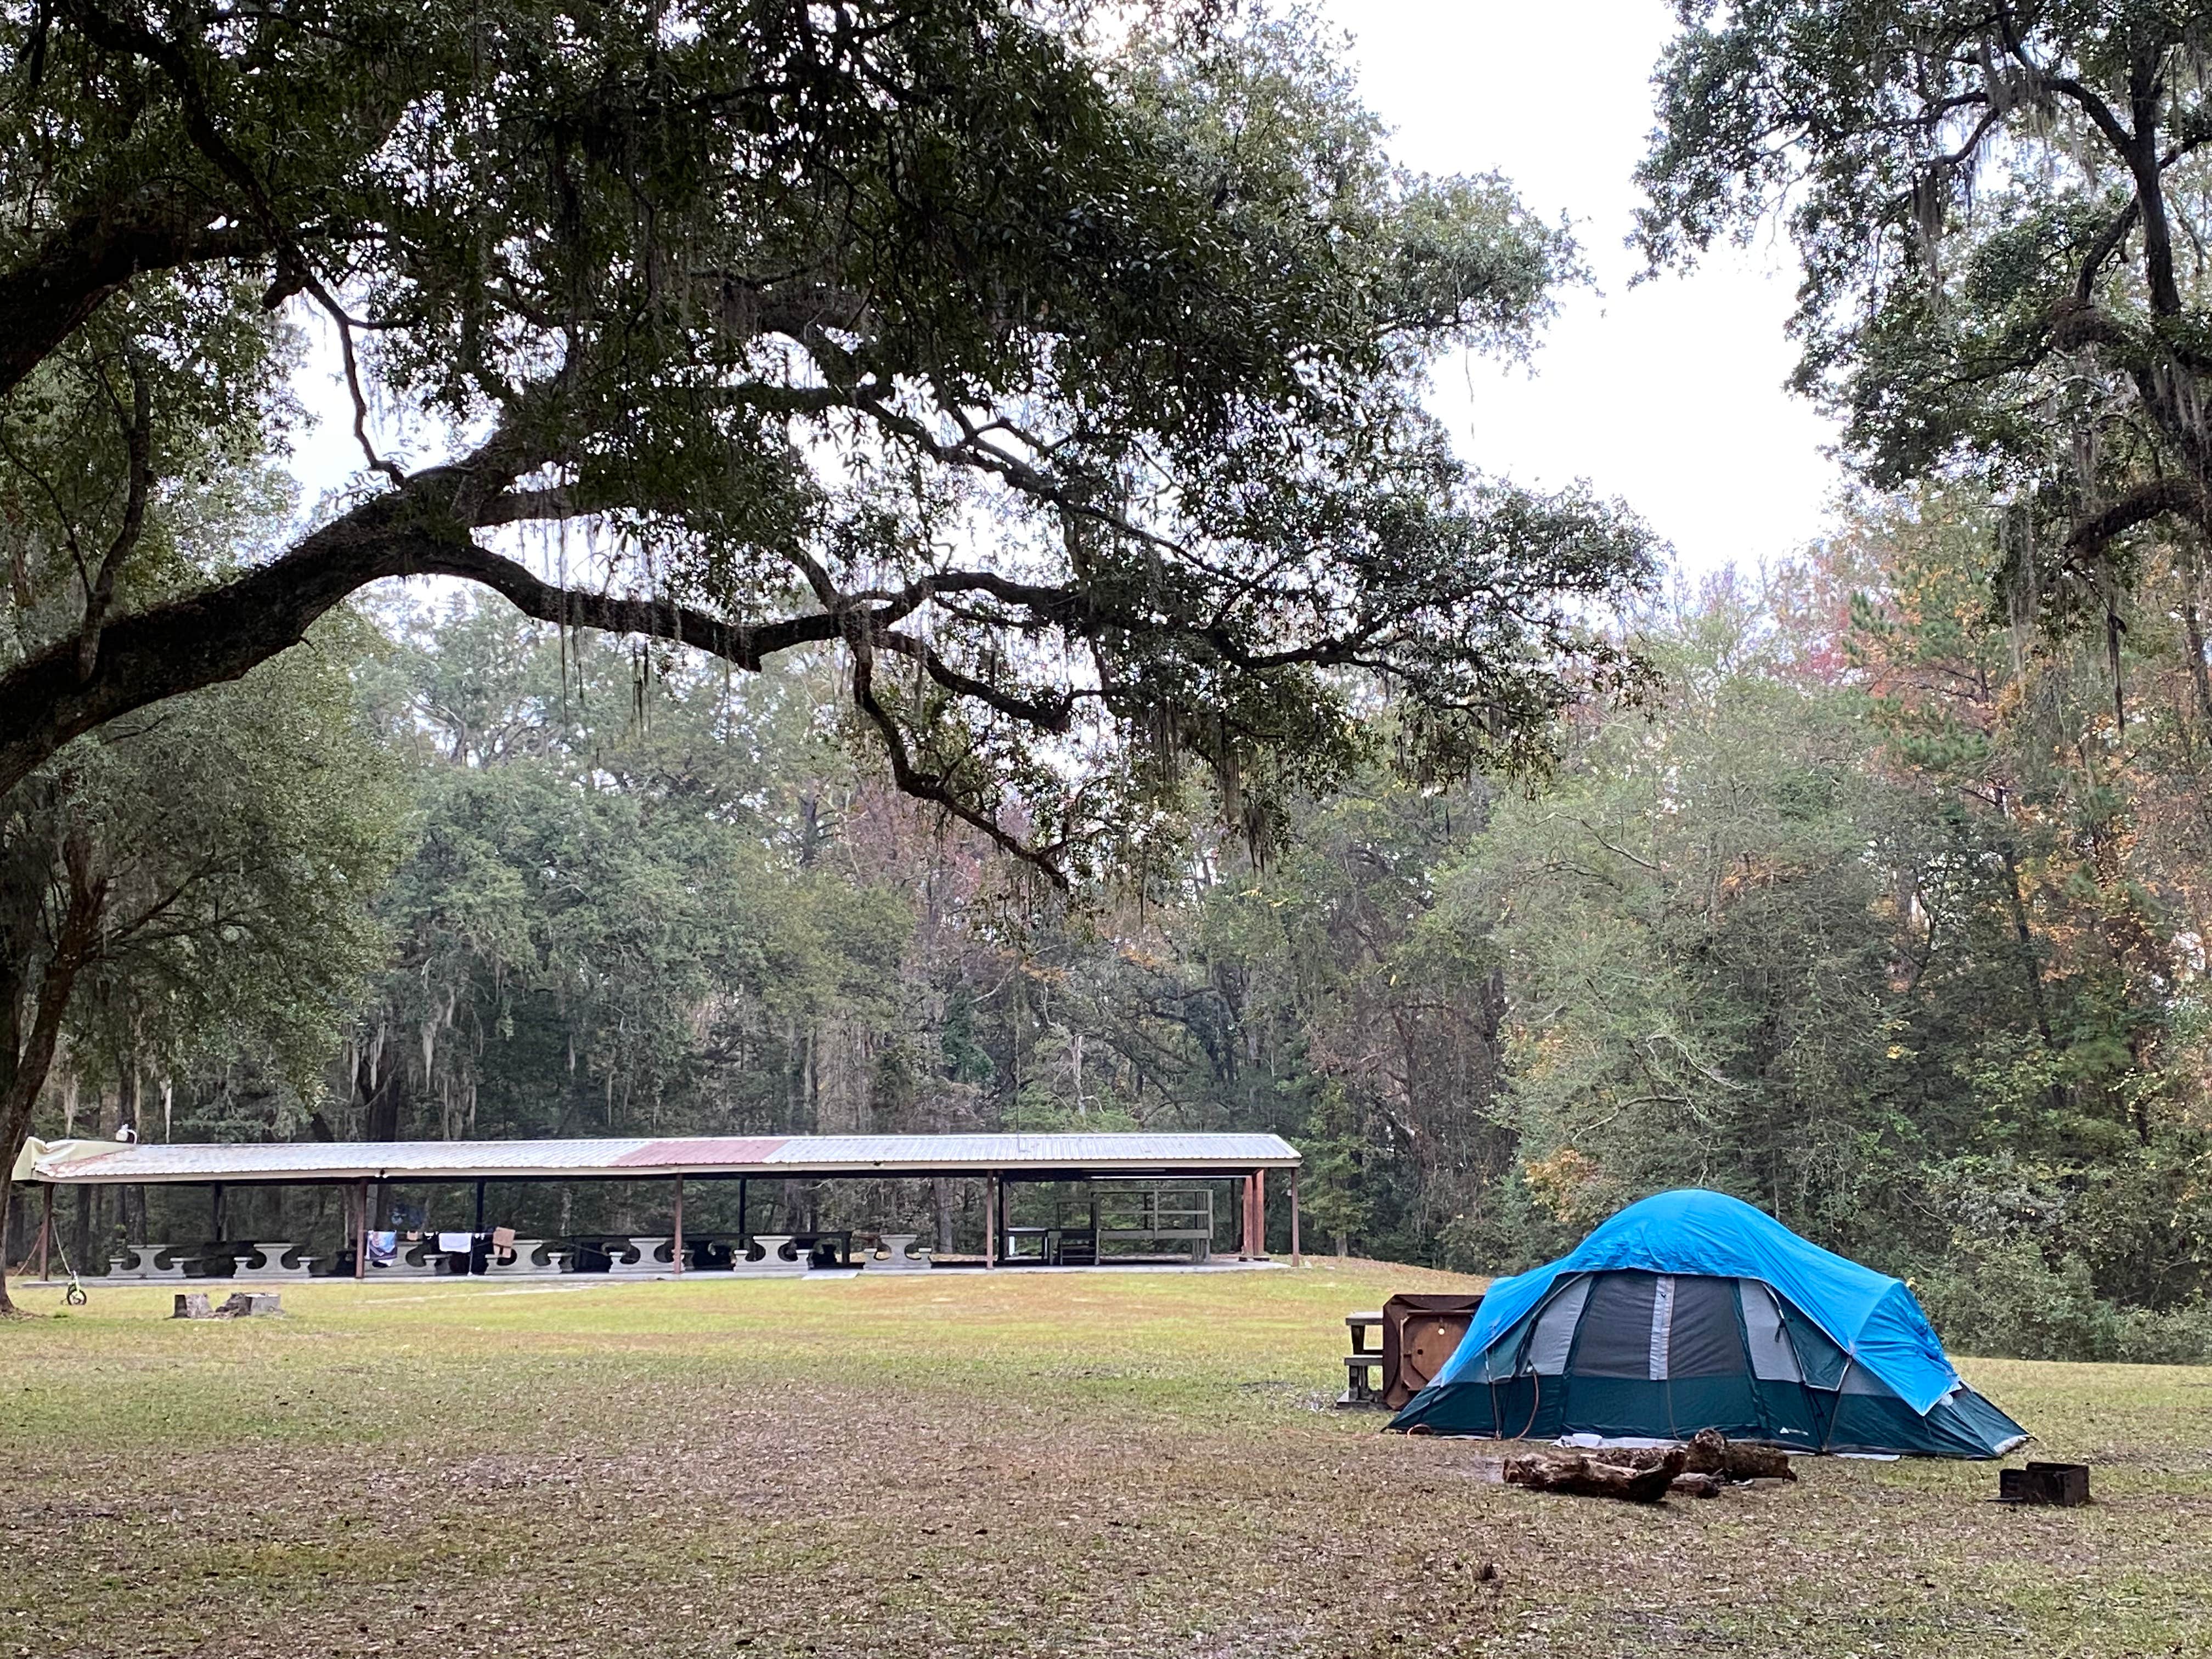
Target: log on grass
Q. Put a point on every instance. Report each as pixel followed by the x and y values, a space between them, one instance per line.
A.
pixel 1590 1477
pixel 1712 1452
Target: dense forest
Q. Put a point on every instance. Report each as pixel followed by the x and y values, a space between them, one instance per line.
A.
pixel 1872 904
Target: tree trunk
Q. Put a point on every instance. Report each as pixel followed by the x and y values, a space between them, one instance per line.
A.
pixel 2192 631
pixel 2031 970
pixel 32 1002
pixel 380 1091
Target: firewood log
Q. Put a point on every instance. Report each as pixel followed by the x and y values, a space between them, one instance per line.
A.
pixel 1589 1477
pixel 1712 1452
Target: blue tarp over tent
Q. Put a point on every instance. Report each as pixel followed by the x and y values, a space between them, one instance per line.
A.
pixel 1693 1310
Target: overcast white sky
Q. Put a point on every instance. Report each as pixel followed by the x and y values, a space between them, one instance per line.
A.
pixel 1669 395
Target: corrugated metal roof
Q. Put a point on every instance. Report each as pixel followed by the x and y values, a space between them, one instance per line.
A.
pixel 80 1163
pixel 659 1154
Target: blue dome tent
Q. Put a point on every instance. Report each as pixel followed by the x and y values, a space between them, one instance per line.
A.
pixel 1693 1310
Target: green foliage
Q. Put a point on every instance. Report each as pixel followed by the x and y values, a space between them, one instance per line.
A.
pixel 602 926
pixel 1871 913
pixel 1882 922
pixel 1063 376
pixel 1694 939
pixel 236 841
pixel 1994 206
pixel 2006 1298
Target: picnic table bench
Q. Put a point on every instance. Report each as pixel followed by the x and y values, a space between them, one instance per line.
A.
pixel 1403 1347
pixel 820 1250
pixel 899 1256
pixel 1057 1246
pixel 1364 1381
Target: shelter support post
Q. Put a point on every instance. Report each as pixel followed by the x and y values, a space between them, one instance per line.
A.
pixel 1297 1257
pixel 361 1237
pixel 676 1255
pixel 991 1220
pixel 1260 1214
pixel 1244 1222
pixel 742 1236
pixel 480 1190
pixel 46 1230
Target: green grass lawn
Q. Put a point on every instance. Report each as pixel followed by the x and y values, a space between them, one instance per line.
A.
pixel 956 1464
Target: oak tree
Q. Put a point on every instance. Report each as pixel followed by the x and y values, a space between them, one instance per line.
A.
pixel 2000 207
pixel 1063 377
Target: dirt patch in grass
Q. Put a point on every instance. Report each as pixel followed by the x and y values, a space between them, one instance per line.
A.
pixel 962 1465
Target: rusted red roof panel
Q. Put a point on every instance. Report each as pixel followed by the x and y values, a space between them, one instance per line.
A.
pixel 691 1153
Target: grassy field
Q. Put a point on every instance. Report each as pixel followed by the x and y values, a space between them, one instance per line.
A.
pixel 953 1464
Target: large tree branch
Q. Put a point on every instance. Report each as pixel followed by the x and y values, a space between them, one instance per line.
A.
pixel 932 786
pixel 2137 150
pixel 2107 245
pixel 221 633
pixel 217 634
pixel 2154 500
pixel 138 451
pixel 107 241
pixel 130 37
pixel 94 253
pixel 424 528
pixel 2146 90
pixel 1051 714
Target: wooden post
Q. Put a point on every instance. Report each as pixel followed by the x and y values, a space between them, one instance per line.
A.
pixel 479 1226
pixel 740 1254
pixel 1260 1214
pixel 1244 1227
pixel 46 1231
pixel 361 1237
pixel 676 1255
pixel 990 1221
pixel 1298 1258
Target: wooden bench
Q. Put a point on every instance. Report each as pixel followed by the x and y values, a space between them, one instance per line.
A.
pixel 1150 1217
pixel 1363 1380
